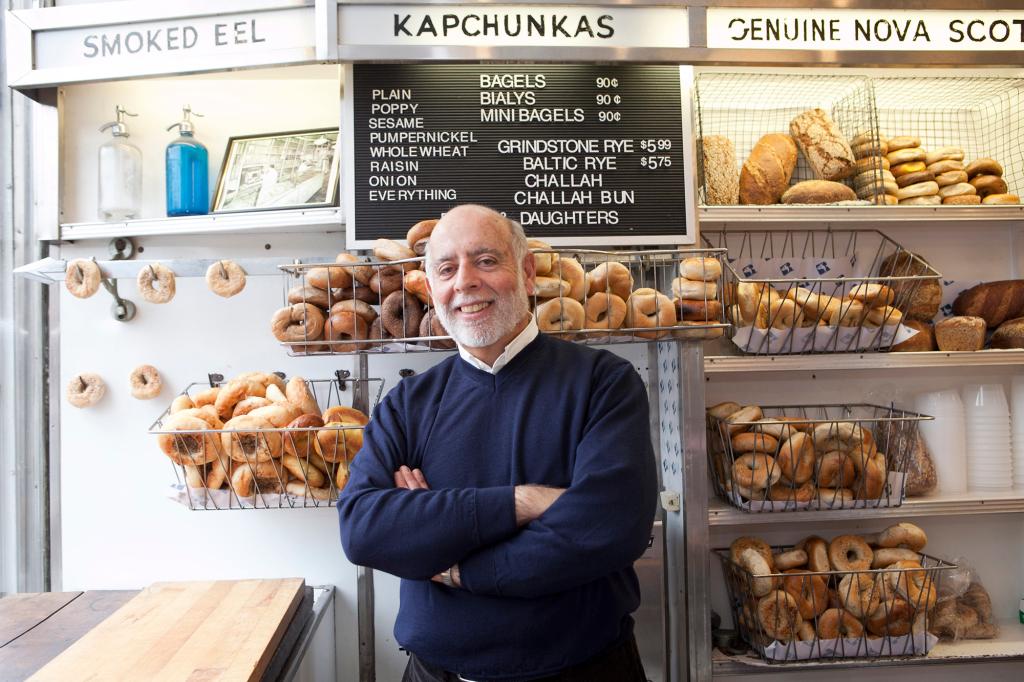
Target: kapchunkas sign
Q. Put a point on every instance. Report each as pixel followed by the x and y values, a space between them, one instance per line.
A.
pixel 841 29
pixel 487 25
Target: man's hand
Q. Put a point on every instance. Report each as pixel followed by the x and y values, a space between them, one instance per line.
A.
pixel 534 500
pixel 410 479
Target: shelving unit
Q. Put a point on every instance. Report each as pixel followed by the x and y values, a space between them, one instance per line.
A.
pixel 858 214
pixel 714 364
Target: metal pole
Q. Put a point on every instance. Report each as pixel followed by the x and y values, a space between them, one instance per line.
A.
pixel 364 575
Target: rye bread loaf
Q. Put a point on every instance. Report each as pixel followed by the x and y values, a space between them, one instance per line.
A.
pixel 766 172
pixel 721 172
pixel 917 299
pixel 994 302
pixel 1009 334
pixel 923 340
pixel 818 192
pixel 960 333
pixel 921 478
pixel 823 145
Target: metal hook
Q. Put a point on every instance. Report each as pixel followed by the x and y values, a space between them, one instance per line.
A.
pixel 123 310
pixel 223 272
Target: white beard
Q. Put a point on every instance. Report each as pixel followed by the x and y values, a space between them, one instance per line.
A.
pixel 508 312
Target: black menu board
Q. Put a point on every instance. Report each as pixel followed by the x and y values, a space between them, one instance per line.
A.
pixel 570 151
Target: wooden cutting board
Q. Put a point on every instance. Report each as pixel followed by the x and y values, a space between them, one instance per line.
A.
pixel 215 630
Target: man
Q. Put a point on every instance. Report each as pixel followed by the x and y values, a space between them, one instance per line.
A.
pixel 511 486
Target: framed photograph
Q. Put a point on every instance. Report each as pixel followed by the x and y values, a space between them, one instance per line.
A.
pixel 279 170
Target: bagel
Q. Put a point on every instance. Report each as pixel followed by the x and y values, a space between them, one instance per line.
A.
pixel 345 330
pixel 648 308
pixel 604 311
pixel 349 416
pixel 401 314
pixel 870 149
pixel 571 271
pixel 871 483
pixel 920 189
pixel 984 166
pixel 831 497
pixel 355 267
pixel 779 615
pixel 360 308
pixel 849 553
pixel 561 314
pixel 884 316
pixel 304 471
pixel 82 277
pixel 892 618
pixel 796 458
pixel 85 390
pixel 225 278
pixel 943 154
pixel 810 592
pixel 610 277
pixel 785 561
pixel 836 623
pixel 390 250
pixel 903 142
pixel 872 294
pixel 762 582
pixel 182 402
pixel 745 542
pixel 698 310
pixel 754 442
pixel 299 489
pixel 835 470
pixel 700 268
pixel 550 287
pixel 741 419
pixel 386 280
pixel 187 439
pixel 723 410
pixel 814 305
pixel 784 313
pixel 756 470
pixel 780 427
pixel 988 184
pixel 838 436
pixel 156 283
pixel 963 200
pixel 914 177
pixel 415 282
pixel 307 294
pixel 817 553
pixel 247 405
pixel 377 332
pixel 278 414
pixel 908 168
pixel 904 155
pixel 885 557
pixel 145 382
pixel 946 166
pixel 848 313
pixel 914 583
pixel 543 262
pixel 931 200
pixel 886 199
pixel 419 235
pixel 325 278
pixel 1001 199
pixel 339 442
pixel 952 177
pixel 297 323
pixel 870 164
pixel 860 593
pixel 905 535
pixel 430 326
pixel 872 178
pixel 694 290
pixel 251 439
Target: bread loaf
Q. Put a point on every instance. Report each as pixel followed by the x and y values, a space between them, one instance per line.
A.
pixel 721 173
pixel 823 145
pixel 766 172
pixel 921 478
pixel 960 333
pixel 918 299
pixel 994 302
pixel 817 192
pixel 1009 334
pixel 923 340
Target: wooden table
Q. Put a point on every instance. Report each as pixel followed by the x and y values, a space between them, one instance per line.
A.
pixel 52 633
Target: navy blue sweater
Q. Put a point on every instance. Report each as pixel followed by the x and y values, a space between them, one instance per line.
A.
pixel 535 599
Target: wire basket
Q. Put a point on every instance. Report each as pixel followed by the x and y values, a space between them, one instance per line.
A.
pixel 268 468
pixel 812 457
pixel 803 615
pixel 980 115
pixel 820 291
pixel 600 297
pixel 745 106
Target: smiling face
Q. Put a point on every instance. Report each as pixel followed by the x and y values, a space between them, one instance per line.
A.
pixel 478 286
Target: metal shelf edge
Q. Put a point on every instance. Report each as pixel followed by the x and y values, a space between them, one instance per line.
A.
pixel 860 361
pixel 835 214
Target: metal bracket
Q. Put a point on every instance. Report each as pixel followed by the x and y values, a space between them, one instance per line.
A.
pixel 341 375
pixel 214 379
pixel 123 310
pixel 670 500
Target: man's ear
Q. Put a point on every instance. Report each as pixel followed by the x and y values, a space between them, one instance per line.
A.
pixel 530 270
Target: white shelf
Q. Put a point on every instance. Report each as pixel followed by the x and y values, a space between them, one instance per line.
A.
pixel 327 219
pixel 858 214
pixel 859 361
pixel 721 514
pixel 1008 646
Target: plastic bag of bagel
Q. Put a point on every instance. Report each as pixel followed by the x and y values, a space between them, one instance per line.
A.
pixel 964 608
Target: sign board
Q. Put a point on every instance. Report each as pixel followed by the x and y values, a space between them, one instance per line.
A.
pixel 579 154
pixel 486 25
pixel 850 29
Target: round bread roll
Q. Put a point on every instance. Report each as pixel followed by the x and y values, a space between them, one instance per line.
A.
pixel 82 278
pixel 907 168
pixel 961 188
pixel 225 278
pixel 945 166
pixel 960 333
pixel 944 153
pixel 984 166
pixel 933 200
pixel 156 283
pixel 908 179
pixel 988 184
pixel 921 189
pixel 952 177
pixel 419 235
pixel 962 200
pixel 85 389
pixel 905 155
pixel 870 163
pixel 1001 199
pixel 817 192
pixel 903 142
pixel 872 177
pixel 886 199
pixel 145 382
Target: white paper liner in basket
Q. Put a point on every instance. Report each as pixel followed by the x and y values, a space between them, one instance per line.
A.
pixel 203 498
pixel 896 480
pixel 917 644
pixel 803 272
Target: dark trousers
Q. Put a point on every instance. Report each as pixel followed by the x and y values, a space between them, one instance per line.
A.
pixel 618 663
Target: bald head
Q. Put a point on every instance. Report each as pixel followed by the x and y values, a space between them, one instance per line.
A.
pixel 459 218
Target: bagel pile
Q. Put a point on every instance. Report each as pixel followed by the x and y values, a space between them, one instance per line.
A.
pixel 757 304
pixel 825 590
pixel 794 460
pixel 603 299
pixel 257 434
pixel 968 616
pixel 898 170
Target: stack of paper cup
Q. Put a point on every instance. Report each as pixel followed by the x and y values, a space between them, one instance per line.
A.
pixel 989 457
pixel 945 437
pixel 1017 430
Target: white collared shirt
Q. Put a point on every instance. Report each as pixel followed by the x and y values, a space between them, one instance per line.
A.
pixel 513 349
